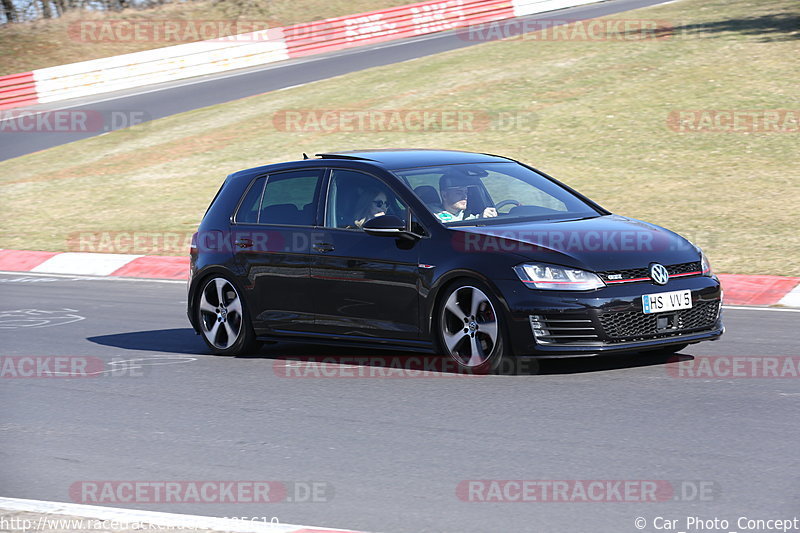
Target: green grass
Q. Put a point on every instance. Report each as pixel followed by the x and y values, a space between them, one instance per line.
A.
pixel 601 126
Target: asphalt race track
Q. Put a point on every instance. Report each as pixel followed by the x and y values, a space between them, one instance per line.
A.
pixel 389 453
pixel 166 99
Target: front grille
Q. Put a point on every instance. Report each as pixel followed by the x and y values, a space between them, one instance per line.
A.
pixel 638 274
pixel 581 329
pixel 684 268
pixel 564 328
pixel 635 325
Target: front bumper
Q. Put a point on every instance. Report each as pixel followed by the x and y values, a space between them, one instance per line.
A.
pixel 608 320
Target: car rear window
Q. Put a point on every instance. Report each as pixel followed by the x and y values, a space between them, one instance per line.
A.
pixel 286 198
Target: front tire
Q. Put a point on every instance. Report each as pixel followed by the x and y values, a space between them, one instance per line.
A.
pixel 223 319
pixel 470 328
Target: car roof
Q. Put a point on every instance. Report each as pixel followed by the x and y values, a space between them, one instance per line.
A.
pixel 411 158
pixel 386 159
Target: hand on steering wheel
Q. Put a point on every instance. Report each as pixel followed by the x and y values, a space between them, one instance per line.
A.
pixel 504 203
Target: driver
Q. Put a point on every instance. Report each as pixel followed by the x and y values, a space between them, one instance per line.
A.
pixel 454 200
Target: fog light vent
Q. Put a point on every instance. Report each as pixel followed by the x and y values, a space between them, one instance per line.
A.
pixel 538 326
pixel 560 328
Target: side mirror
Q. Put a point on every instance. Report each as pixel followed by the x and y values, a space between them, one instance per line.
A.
pixel 390 226
pixel 385 226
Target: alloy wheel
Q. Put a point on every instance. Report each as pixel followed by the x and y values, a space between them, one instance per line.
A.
pixel 469 326
pixel 220 309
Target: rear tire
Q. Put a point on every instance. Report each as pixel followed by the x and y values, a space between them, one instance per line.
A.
pixel 223 319
pixel 470 329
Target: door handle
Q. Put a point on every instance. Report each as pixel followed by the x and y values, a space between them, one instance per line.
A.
pixel 244 243
pixel 322 247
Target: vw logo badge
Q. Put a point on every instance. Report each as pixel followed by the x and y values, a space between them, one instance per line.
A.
pixel 659 274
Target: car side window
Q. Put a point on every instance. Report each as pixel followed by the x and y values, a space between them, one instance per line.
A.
pixel 289 198
pixel 355 197
pixel 426 184
pixel 251 203
pixel 426 187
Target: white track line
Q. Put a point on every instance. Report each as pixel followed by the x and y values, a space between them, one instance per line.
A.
pixel 753 308
pixel 183 521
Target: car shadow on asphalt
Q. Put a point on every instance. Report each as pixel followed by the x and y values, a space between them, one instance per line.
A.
pixel 185 341
pixel 176 340
pixel 577 365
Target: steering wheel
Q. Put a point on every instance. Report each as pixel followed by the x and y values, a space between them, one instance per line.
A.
pixel 504 203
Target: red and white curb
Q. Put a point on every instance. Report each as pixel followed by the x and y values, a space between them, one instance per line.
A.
pixel 739 289
pixel 90 264
pixel 167 520
pixel 223 54
pixel 760 290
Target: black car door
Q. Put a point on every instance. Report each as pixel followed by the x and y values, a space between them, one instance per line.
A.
pixel 271 235
pixel 363 285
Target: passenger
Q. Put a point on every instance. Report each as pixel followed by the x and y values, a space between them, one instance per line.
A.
pixel 372 204
pixel 454 200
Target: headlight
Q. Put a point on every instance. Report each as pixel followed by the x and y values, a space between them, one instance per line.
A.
pixel 705 266
pixel 553 277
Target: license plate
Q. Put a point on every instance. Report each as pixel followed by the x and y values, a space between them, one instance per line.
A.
pixel 666 301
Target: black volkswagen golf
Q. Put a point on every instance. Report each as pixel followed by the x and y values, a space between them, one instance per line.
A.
pixel 474 256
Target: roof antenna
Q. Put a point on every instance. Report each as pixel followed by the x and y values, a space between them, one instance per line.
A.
pixel 305 155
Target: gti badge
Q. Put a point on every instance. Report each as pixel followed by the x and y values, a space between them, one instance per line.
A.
pixel 659 274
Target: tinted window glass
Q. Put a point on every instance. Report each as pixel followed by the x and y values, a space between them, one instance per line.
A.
pixel 505 187
pixel 290 198
pixel 250 206
pixel 417 227
pixel 492 193
pixel 355 197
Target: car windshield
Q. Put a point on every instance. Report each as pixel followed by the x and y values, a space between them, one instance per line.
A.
pixel 488 193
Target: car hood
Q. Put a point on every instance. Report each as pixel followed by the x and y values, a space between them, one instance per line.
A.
pixel 609 242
